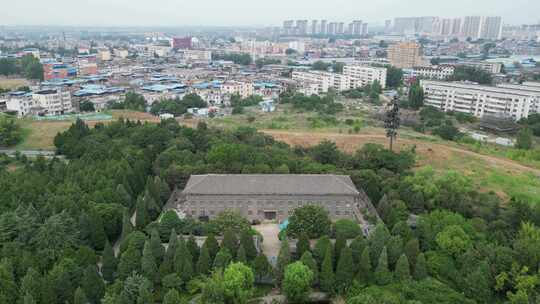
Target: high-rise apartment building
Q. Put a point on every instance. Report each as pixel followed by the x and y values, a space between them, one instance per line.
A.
pixel 471 27
pixel 301 27
pixel 405 55
pixel 315 27
pixel 324 27
pixel 491 28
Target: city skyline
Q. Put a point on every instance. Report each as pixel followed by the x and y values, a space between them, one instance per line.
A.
pixel 246 13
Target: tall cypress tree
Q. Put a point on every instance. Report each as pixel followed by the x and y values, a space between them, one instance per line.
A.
pixel 108 265
pixel 130 261
pixel 241 255
pixel 402 272
pixel 212 245
pixel 411 250
pixel 327 280
pixel 230 242
pixel 183 263
pixel 127 227
pixel 383 276
pixel 193 248
pixel 204 262
pixel 377 240
pixel 93 285
pixel 261 267
pixel 142 218
pixel 246 241
pixel 321 246
pixel 158 251
pixel 357 247
pixel 344 270
pixel 420 270
pixel 302 245
pixel 341 242
pixel 364 273
pixel 148 264
pixel 308 260
pixel 167 266
pixel 284 258
pixel 395 250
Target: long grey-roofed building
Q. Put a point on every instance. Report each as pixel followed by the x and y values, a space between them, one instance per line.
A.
pixel 261 197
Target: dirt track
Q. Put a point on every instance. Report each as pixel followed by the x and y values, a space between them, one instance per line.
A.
pixel 351 142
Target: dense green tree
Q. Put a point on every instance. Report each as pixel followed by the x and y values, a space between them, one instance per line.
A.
pixel 349 229
pixel 327 278
pixel 93 285
pixel 238 283
pixel 80 297
pixel 31 284
pixel 308 260
pixel 223 259
pixel 416 96
pixel 296 283
pixel 344 270
pixel 454 240
pixel 524 139
pixel 310 219
pixel 383 276
pixel 29 299
pixel 172 297
pixel 10 132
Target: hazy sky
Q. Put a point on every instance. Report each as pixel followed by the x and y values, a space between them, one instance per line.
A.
pixel 250 12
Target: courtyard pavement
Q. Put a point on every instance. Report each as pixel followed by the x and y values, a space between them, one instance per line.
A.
pixel 271 243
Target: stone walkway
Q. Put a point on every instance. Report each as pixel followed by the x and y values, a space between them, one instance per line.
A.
pixel 271 243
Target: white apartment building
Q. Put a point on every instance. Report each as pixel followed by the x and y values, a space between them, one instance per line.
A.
pixel 197 55
pixel 361 75
pixel 354 76
pixel 244 89
pixel 322 81
pixel 515 101
pixel 490 67
pixel 53 101
pixel 440 72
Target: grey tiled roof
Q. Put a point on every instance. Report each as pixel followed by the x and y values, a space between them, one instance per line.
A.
pixel 268 184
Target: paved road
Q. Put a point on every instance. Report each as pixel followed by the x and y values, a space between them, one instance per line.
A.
pixel 271 243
